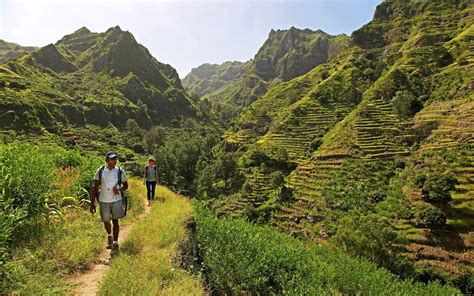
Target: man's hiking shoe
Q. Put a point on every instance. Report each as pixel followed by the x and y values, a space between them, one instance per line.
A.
pixel 110 240
pixel 115 250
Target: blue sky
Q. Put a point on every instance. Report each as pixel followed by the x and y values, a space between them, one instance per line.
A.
pixel 183 33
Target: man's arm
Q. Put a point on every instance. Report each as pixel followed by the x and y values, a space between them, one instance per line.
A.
pixel 156 175
pixel 95 191
pixel 124 187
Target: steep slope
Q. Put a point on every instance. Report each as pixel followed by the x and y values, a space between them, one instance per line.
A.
pixel 284 55
pixel 9 50
pixel 364 106
pixel 91 78
pixel 207 78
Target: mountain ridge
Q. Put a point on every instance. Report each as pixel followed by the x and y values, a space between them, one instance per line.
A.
pixel 85 74
pixel 284 55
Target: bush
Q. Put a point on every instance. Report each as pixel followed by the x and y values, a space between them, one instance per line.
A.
pixel 426 215
pixel 371 237
pixel 256 157
pixel 438 187
pixel 277 179
pixel 315 143
pixel 239 258
pixel 32 184
pixel 405 104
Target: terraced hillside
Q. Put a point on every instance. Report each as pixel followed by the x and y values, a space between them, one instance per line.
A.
pixel 284 55
pixel 401 93
pixel 91 78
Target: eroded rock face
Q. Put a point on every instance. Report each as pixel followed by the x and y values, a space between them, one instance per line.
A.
pixel 290 53
pixel 51 58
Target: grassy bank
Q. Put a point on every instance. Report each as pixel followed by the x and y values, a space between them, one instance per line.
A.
pixel 241 258
pixel 47 230
pixel 144 266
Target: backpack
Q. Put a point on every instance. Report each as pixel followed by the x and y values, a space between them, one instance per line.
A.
pixel 119 182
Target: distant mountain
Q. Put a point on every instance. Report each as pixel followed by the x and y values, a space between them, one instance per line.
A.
pixel 91 78
pixel 210 77
pixel 9 51
pixel 284 55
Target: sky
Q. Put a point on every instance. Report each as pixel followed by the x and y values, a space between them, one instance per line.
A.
pixel 182 33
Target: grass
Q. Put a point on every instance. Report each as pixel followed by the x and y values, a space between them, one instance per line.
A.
pixel 64 237
pixel 144 267
pixel 239 258
pixel 136 199
pixel 41 265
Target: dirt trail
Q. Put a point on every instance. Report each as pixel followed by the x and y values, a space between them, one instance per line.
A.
pixel 88 282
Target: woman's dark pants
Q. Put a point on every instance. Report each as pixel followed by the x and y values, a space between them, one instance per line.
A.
pixel 150 189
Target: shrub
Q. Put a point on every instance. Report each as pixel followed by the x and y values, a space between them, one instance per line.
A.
pixel 438 186
pixel 256 157
pixel 405 104
pixel 239 258
pixel 315 143
pixel 371 237
pixel 426 215
pixel 277 179
pixel 31 187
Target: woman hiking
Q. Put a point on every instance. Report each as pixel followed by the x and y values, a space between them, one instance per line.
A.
pixel 150 178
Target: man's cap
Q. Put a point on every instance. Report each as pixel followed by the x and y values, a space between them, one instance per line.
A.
pixel 111 154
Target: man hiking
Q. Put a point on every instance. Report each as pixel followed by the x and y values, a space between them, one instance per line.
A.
pixel 150 178
pixel 112 181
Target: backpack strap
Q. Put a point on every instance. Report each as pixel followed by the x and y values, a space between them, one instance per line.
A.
pixel 101 170
pixel 119 182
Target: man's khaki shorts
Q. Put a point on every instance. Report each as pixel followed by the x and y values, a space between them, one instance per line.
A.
pixel 112 210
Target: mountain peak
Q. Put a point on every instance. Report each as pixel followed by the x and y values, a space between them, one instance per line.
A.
pixel 81 31
pixel 114 29
pixel 292 52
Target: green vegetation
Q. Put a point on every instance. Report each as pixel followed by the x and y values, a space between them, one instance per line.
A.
pixel 364 145
pixel 91 79
pixel 49 213
pixel 45 215
pixel 240 258
pixel 9 51
pixel 149 249
pixel 394 107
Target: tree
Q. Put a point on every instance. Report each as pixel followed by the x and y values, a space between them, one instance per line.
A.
pixel 189 124
pixel 277 179
pixel 437 186
pixel 131 125
pixel 155 138
pixel 426 215
pixel 205 182
pixel 405 104
pixel 371 237
pixel 226 167
pixel 166 160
